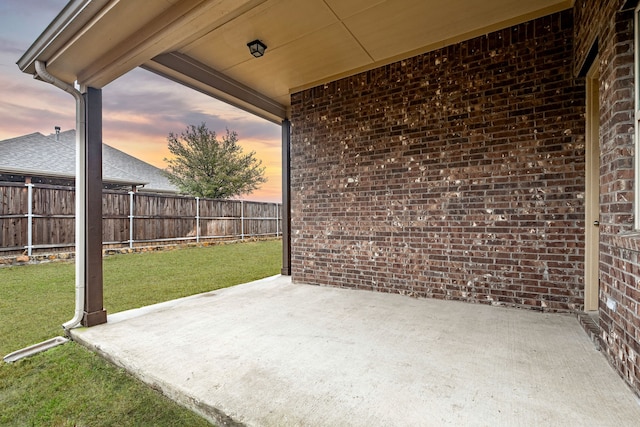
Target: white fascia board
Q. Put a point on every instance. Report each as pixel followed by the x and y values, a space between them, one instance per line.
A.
pixel 75 15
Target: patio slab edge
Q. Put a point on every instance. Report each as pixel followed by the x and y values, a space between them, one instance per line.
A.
pixel 176 394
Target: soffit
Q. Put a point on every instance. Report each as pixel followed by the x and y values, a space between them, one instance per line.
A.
pixel 309 42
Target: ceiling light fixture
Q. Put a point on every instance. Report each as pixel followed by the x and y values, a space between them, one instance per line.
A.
pixel 257 48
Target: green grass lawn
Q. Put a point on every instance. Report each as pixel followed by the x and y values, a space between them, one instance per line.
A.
pixel 69 385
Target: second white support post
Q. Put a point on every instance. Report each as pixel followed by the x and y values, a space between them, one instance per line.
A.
pixel 197 219
pixel 131 217
pixel 29 219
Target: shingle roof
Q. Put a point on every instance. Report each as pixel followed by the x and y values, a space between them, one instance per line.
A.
pixel 48 156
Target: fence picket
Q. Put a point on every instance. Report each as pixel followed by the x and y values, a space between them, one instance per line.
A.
pixel 39 216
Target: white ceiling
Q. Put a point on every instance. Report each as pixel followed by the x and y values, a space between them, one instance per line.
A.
pixel 309 42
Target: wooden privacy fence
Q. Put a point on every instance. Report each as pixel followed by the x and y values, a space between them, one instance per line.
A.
pixel 36 217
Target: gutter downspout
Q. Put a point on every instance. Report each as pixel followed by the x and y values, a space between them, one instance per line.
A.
pixel 42 72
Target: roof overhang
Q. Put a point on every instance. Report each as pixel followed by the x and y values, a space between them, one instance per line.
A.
pixel 202 43
pixel 59 175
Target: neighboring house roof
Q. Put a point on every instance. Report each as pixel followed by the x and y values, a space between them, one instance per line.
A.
pixel 54 156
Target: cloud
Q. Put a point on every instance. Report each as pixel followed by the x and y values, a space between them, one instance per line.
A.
pixel 22 21
pixel 140 109
pixel 141 92
pixel 145 103
pixel 9 48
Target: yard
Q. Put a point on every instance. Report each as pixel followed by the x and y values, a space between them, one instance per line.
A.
pixel 68 385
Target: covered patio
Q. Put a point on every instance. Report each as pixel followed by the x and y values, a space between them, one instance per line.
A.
pixel 269 353
pixel 474 151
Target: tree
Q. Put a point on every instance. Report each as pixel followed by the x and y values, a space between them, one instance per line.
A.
pixel 206 167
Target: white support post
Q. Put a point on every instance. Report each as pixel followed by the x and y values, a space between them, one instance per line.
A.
pixel 242 218
pixel 197 219
pixel 131 217
pixel 29 218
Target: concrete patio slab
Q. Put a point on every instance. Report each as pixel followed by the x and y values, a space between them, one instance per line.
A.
pixel 273 353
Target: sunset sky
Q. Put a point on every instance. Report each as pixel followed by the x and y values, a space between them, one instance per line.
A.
pixel 139 109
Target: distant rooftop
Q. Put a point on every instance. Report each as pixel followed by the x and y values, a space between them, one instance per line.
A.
pixel 53 156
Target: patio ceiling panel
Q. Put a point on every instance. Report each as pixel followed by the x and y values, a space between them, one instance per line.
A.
pixel 307 59
pixel 345 9
pixel 317 41
pixel 184 22
pixel 83 49
pixel 388 29
pixel 101 40
pixel 276 23
pixel 309 42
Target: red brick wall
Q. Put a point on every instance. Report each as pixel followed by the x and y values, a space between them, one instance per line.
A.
pixel 619 242
pixel 456 174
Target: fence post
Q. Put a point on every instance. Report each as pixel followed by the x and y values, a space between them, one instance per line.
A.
pixel 197 219
pixel 242 219
pixel 131 206
pixel 277 219
pixel 29 218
